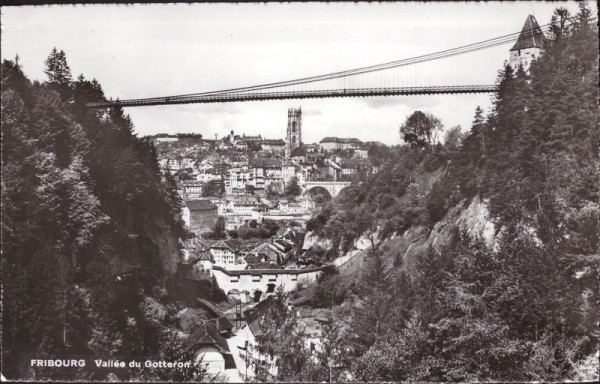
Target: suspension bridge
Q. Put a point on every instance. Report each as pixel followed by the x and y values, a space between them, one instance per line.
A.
pixel 418 75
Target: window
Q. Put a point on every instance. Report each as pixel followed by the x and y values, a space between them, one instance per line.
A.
pixel 256 278
pixel 235 279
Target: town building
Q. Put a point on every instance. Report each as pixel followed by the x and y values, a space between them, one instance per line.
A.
pixel 192 189
pixel 529 45
pixel 273 145
pixel 329 144
pixel 288 171
pixel 238 177
pixel 361 153
pixel 227 254
pixel 210 349
pixel 250 354
pixel 244 205
pixel 232 141
pixel 299 154
pixel 185 215
pixel 252 140
pixel 203 215
pixel 166 139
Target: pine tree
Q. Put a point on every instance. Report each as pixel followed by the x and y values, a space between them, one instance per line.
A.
pixel 57 69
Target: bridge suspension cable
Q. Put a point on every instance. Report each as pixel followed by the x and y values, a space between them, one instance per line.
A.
pixel 242 93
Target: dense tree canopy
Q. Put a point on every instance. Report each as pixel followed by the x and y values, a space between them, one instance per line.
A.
pixel 83 202
pixel 523 311
pixel 420 129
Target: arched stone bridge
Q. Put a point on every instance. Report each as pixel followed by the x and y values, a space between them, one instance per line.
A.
pixel 333 187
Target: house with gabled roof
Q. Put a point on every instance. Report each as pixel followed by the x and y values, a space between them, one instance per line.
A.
pixel 204 261
pixel 210 349
pixel 227 254
pixel 250 354
pixel 203 215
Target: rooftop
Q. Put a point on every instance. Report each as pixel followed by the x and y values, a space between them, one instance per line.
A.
pixel 233 245
pixel 300 151
pixel 207 334
pixel 199 205
pixel 265 163
pixel 273 142
pixel 531 35
pixel 254 315
pixel 340 140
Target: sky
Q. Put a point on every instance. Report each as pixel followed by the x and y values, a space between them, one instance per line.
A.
pixel 149 50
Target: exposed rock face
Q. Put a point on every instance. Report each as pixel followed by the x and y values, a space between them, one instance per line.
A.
pixel 474 218
pixel 402 250
pixel 312 240
pixel 169 252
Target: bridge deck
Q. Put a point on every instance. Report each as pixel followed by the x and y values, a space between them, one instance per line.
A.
pixel 257 96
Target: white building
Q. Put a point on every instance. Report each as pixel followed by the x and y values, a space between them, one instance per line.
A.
pixel 361 153
pixel 245 346
pixel 264 280
pixel 227 254
pixel 207 175
pixel 332 143
pixel 211 350
pixel 244 206
pixel 192 189
pixel 294 207
pixel 288 172
pixel 185 215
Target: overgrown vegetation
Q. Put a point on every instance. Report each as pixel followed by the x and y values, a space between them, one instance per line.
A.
pixel 523 311
pixel 89 229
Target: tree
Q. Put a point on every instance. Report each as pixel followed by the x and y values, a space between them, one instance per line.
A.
pixel 558 24
pixel 293 189
pixel 83 201
pixel 59 73
pixel 57 69
pixel 420 129
pixel 220 225
pixel 454 137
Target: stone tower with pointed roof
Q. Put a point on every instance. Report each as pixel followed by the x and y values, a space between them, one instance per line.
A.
pixel 293 138
pixel 529 45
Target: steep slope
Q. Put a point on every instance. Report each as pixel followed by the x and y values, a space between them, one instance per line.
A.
pixel 89 232
pixel 491 275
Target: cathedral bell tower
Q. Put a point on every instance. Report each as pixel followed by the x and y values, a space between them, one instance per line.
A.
pixel 293 138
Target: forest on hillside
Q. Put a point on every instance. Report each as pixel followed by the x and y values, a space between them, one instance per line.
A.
pixel 89 230
pixel 525 309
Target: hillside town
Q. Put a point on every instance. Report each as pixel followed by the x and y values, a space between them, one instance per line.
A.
pixel 462 249
pixel 247 179
pixel 245 202
pixel 238 190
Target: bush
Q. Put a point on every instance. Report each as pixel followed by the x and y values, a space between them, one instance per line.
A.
pixel 215 235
